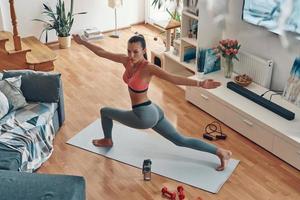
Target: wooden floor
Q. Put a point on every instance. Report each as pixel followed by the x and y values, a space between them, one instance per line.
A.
pixel 91 82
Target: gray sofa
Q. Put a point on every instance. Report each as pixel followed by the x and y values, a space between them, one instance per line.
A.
pixel 42 90
pixel 40 120
pixel 31 186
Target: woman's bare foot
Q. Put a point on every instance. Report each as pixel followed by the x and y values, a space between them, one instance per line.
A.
pixel 224 156
pixel 103 142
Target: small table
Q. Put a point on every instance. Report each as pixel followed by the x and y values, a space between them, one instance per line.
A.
pixel 172 24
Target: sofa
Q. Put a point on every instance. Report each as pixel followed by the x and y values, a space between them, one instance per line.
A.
pixel 32 186
pixel 31 113
pixel 40 117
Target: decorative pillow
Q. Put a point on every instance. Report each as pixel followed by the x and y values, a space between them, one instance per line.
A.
pixel 34 84
pixel 10 87
pixel 4 105
pixel 208 61
pixel 292 89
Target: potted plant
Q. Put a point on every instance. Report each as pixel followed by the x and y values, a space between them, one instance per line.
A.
pixel 60 21
pixel 174 14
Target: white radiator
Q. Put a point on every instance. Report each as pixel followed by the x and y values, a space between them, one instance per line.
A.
pixel 259 69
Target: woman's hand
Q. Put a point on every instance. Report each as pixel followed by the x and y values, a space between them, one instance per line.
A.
pixel 77 39
pixel 210 84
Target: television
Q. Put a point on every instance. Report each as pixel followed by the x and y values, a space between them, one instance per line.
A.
pixel 268 13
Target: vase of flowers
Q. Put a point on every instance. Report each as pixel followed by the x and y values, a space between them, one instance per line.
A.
pixel 228 49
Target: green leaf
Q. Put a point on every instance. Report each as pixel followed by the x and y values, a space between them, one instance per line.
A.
pixel 154 3
pixel 59 19
pixel 236 57
pixel 46 38
pixel 71 9
pixel 80 13
pixel 171 14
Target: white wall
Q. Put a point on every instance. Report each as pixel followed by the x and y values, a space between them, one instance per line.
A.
pixel 258 41
pixel 99 15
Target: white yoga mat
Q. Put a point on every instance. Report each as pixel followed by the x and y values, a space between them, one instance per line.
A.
pixel 133 146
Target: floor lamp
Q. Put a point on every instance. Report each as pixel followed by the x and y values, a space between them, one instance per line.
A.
pixel 115 4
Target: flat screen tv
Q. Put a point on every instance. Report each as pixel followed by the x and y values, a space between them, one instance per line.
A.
pixel 267 13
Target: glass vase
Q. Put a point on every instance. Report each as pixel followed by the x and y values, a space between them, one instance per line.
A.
pixel 228 67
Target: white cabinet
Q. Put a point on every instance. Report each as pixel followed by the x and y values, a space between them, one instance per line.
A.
pixel 238 120
pixel 265 128
pixel 286 151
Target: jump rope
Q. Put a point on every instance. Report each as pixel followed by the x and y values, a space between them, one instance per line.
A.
pixel 213 131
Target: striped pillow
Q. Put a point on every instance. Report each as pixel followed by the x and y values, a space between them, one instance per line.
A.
pixel 10 87
pixel 4 105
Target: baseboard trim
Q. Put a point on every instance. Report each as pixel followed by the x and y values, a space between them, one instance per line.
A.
pixel 125 27
pixel 107 31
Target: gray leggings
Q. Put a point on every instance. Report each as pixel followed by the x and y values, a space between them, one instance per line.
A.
pixel 150 116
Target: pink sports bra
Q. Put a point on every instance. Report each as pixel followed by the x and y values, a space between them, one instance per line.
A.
pixel 134 81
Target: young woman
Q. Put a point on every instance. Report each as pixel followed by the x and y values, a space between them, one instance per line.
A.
pixel 144 113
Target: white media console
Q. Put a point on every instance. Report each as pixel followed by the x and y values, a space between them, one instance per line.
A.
pixel 267 129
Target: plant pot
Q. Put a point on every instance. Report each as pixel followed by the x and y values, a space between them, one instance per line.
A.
pixel 64 42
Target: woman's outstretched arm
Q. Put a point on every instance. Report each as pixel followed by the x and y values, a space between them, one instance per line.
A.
pixel 120 58
pixel 180 80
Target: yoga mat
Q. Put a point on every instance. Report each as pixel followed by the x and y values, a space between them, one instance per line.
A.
pixel 133 146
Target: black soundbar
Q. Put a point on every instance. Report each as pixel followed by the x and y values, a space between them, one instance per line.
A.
pixel 261 101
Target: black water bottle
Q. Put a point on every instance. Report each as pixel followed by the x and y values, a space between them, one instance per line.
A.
pixel 147 169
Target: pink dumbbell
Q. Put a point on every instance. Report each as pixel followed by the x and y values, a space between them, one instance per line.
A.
pixel 181 192
pixel 168 194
